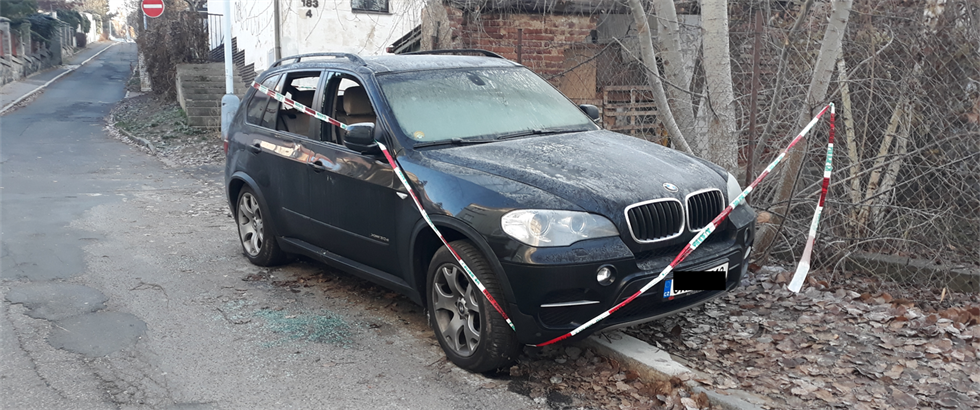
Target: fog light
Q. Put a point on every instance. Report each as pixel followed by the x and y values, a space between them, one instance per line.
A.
pixel 745 261
pixel 605 275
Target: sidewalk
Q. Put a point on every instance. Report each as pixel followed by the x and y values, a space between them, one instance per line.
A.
pixel 19 89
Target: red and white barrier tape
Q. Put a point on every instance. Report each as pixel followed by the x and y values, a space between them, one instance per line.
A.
pixel 425 215
pixel 804 266
pixel 297 106
pixel 401 177
pixel 697 240
pixel 690 247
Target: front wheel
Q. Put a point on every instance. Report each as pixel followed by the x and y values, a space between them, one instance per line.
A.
pixel 471 332
pixel 255 231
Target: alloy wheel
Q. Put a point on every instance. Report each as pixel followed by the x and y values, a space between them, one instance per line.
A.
pixel 250 226
pixel 457 309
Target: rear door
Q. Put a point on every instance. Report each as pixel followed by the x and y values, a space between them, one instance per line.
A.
pixel 273 160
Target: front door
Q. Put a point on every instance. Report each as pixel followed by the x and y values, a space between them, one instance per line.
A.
pixel 354 198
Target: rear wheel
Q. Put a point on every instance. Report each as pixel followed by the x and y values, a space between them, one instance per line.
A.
pixel 255 231
pixel 471 332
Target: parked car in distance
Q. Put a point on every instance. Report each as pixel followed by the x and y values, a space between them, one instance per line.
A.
pixel 559 219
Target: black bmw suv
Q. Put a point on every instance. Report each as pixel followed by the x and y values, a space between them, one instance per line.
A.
pixel 559 219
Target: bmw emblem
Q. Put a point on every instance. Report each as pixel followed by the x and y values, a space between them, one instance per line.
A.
pixel 670 187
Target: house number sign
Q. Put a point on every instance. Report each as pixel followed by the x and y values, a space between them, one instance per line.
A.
pixel 309 3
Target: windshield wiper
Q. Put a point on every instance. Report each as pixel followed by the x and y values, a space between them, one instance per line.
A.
pixel 538 131
pixel 453 141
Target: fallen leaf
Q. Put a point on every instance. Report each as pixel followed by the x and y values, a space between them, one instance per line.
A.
pixel 903 399
pixel 842 388
pixel 895 372
pixel 825 396
pixel 782 277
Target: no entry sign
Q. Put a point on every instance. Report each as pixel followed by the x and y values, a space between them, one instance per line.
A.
pixel 152 8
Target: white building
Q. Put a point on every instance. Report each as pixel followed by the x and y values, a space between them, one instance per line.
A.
pixel 364 27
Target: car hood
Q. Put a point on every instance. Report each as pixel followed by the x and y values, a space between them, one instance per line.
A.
pixel 600 171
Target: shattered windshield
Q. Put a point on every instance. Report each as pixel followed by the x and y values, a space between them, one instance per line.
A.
pixel 478 103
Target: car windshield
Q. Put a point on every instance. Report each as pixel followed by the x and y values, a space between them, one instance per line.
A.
pixel 457 104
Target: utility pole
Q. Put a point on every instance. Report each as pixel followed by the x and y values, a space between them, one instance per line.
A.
pixel 230 102
pixel 276 27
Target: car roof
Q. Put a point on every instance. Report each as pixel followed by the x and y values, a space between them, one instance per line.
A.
pixel 395 63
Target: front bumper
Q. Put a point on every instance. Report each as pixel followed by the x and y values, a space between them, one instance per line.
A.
pixel 553 299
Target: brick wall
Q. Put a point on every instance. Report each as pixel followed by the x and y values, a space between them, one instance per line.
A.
pixel 544 38
pixel 539 41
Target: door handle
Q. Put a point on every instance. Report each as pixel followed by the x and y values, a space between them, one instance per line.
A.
pixel 255 148
pixel 317 166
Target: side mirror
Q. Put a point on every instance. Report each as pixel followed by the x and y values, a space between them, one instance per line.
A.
pixel 590 110
pixel 360 137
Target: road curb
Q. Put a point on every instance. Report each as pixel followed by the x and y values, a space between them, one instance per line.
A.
pixel 111 124
pixel 137 140
pixel 71 67
pixel 655 364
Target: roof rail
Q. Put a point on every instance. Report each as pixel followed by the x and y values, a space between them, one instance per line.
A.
pixel 352 57
pixel 457 51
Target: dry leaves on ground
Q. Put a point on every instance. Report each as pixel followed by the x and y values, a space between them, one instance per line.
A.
pixel 161 122
pixel 829 347
pixel 570 377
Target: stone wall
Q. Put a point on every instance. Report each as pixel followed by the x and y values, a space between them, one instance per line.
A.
pixel 21 56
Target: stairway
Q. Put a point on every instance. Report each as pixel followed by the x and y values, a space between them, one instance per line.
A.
pixel 200 88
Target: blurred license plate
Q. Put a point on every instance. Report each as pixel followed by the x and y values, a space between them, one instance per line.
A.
pixel 670 292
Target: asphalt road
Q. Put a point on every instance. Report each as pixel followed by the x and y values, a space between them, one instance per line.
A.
pixel 124 287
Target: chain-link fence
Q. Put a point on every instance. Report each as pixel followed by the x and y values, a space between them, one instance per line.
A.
pixel 905 195
pixel 905 198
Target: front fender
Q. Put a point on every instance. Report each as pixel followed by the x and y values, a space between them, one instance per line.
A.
pixel 470 233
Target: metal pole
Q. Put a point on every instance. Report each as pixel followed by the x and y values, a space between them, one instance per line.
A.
pixel 753 103
pixel 229 103
pixel 520 45
pixel 276 27
pixel 229 64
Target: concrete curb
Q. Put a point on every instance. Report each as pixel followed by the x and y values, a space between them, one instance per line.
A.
pixel 136 140
pixel 655 364
pixel 43 86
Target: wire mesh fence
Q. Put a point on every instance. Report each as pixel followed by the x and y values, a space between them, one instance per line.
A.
pixel 905 199
pixel 905 195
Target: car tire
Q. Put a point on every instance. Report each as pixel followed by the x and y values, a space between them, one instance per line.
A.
pixel 255 231
pixel 472 333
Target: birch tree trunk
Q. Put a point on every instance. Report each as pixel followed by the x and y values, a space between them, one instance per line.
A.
pixel 669 37
pixel 823 70
pixel 780 79
pixel 653 77
pixel 853 152
pixel 886 191
pixel 721 146
pixel 872 188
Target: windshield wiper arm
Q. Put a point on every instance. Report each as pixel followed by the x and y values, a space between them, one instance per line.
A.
pixel 453 141
pixel 538 131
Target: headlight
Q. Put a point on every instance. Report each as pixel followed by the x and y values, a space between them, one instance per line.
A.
pixel 734 189
pixel 542 227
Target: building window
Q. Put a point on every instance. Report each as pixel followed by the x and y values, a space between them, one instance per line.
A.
pixel 380 6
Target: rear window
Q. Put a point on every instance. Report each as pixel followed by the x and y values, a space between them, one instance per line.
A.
pixel 258 111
